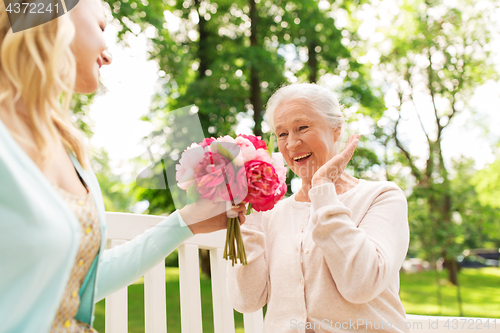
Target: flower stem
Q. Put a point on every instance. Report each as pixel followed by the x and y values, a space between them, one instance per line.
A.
pixel 234 248
pixel 241 247
pixel 227 239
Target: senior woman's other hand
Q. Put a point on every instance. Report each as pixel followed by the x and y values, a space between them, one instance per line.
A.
pixel 205 216
pixel 331 170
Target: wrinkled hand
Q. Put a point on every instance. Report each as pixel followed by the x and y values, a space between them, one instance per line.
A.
pixel 205 216
pixel 331 170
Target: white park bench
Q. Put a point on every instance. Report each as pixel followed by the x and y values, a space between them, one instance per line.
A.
pixel 123 227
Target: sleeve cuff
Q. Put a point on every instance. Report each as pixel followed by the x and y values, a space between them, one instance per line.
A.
pixel 172 232
pixel 181 221
pixel 324 195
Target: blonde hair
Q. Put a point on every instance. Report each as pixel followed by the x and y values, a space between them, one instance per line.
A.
pixel 38 69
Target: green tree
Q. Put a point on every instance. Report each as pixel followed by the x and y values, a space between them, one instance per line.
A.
pixel 79 106
pixel 439 52
pixel 487 184
pixel 116 195
pixel 475 209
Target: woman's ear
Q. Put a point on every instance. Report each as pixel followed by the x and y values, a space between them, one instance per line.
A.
pixel 336 134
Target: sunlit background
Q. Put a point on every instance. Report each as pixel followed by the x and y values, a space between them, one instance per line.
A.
pixel 132 80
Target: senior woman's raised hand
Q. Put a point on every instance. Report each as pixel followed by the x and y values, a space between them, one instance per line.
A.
pixel 333 169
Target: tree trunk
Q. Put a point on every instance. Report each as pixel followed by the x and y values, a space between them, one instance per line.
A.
pixel 312 62
pixel 440 203
pixel 255 94
pixel 205 262
pixel 438 292
pixel 202 43
pixel 452 267
pixel 440 206
pixel 459 298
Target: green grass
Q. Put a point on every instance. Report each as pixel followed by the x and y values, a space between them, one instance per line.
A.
pixel 136 306
pixel 480 290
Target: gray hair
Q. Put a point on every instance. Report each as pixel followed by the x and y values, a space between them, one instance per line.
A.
pixel 321 99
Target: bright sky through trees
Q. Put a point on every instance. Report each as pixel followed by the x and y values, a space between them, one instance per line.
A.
pixel 131 81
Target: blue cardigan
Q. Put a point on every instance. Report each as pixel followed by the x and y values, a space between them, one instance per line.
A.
pixel 39 240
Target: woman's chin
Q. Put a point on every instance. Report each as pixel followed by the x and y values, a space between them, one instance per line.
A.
pixel 304 172
pixel 86 87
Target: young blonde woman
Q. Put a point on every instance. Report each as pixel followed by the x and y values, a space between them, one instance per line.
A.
pixel 53 262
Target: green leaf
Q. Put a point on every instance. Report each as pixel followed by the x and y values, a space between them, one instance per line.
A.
pixel 270 144
pixel 249 209
pixel 225 153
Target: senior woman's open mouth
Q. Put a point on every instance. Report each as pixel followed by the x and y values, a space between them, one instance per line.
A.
pixel 302 158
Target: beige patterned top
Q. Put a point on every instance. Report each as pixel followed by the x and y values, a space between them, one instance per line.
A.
pixel 85 210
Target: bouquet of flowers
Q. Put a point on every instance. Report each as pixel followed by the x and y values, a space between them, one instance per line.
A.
pixel 233 170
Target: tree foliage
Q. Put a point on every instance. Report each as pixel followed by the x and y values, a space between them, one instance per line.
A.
pixel 227 58
pixel 438 53
pixel 487 184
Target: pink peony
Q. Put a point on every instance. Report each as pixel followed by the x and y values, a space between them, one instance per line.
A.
pixel 263 155
pixel 238 188
pixel 225 138
pixel 247 148
pixel 264 188
pixel 229 150
pixel 255 140
pixel 212 176
pixel 253 176
pixel 190 159
pixel 279 166
pixel 206 142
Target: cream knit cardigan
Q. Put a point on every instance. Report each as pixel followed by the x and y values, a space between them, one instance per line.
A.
pixel 331 265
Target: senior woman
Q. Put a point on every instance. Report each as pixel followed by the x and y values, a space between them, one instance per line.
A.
pixel 327 258
pixel 53 263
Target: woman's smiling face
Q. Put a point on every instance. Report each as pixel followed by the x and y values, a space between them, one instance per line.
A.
pixel 305 138
pixel 89 45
